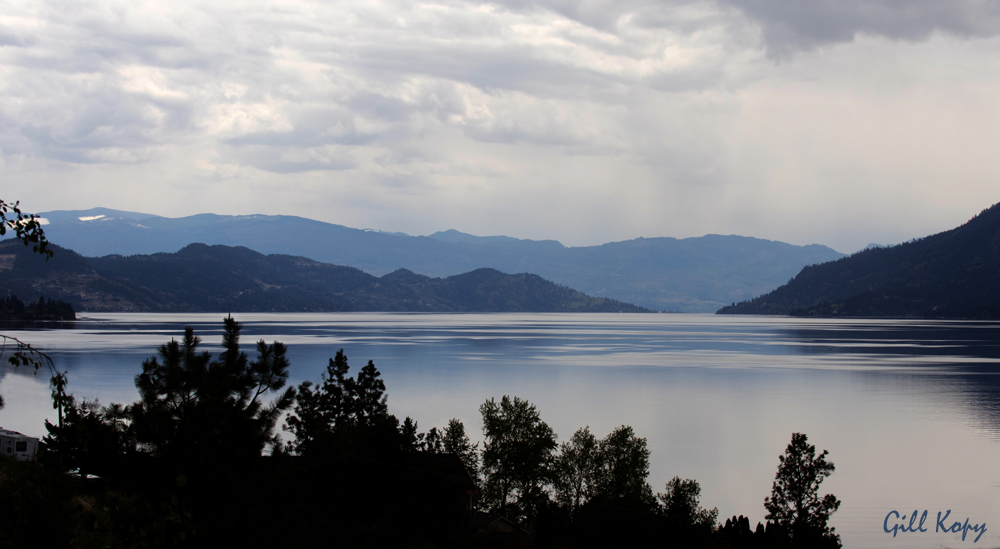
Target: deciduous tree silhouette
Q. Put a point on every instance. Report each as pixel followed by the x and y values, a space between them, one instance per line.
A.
pixel 613 468
pixel 517 457
pixel 577 469
pixel 623 460
pixel 682 509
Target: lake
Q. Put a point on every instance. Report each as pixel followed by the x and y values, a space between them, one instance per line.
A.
pixel 909 410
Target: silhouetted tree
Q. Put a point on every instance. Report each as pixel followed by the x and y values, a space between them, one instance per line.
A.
pixel 12 308
pixel 739 535
pixel 347 415
pixel 615 467
pixel 322 413
pixel 681 507
pixel 455 440
pixel 90 438
pixel 795 505
pixel 623 466
pixel 577 468
pixel 517 457
pixel 430 441
pixel 194 409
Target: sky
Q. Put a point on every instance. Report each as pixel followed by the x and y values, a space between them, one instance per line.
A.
pixel 585 121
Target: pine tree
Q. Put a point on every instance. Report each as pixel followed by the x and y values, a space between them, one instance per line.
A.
pixel 795 505
pixel 455 440
pixel 192 408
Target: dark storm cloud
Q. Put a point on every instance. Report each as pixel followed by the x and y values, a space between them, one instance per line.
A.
pixel 789 25
pixel 804 24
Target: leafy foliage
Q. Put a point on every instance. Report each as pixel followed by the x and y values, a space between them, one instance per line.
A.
pixel 623 466
pixel 24 355
pixel 26 227
pixel 577 469
pixel 612 468
pixel 517 457
pixel 681 507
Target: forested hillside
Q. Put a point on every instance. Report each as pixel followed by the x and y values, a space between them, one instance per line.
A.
pixel 954 274
pixel 224 278
pixel 13 309
pixel 689 274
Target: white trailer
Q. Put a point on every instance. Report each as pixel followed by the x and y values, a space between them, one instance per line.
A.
pixel 16 445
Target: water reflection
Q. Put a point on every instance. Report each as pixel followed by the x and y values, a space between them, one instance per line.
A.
pixel 910 410
pixel 946 339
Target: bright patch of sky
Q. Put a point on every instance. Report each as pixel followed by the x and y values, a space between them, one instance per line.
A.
pixel 584 121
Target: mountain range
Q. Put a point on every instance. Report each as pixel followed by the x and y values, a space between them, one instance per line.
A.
pixel 235 279
pixel 953 274
pixel 688 275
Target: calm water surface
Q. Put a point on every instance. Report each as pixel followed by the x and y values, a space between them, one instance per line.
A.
pixel 909 410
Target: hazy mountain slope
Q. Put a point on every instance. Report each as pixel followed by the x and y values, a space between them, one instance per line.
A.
pixel 68 277
pixel 225 278
pixel 692 274
pixel 951 274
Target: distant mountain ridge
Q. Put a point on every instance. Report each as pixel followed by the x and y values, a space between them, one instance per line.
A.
pixel 953 274
pixel 236 279
pixel 690 275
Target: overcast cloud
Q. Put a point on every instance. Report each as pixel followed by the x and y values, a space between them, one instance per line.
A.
pixel 821 121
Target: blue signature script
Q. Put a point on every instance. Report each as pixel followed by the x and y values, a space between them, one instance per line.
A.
pixel 915 523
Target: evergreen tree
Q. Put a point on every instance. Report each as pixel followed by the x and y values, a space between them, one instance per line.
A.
pixel 91 439
pixel 322 412
pixel 795 505
pixel 455 440
pixel 347 416
pixel 194 409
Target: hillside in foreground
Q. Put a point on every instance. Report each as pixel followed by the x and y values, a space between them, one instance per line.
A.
pixel 953 274
pixel 235 279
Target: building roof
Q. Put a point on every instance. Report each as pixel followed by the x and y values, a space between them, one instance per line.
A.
pixel 9 433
